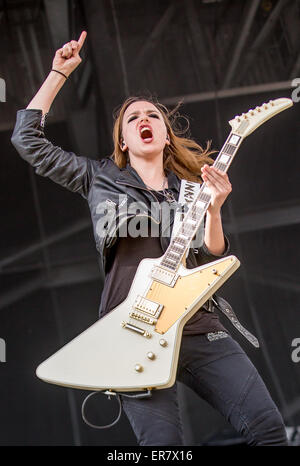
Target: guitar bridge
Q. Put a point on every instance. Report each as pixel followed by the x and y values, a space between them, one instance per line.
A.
pixel 143 318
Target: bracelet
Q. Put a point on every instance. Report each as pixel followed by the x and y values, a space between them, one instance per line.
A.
pixel 60 73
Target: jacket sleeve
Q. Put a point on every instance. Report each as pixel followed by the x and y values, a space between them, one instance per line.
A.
pixel 203 256
pixel 65 168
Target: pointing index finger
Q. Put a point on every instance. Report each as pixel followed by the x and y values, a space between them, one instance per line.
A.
pixel 82 39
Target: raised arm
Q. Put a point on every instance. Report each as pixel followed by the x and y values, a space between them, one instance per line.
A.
pixel 65 61
pixel 65 168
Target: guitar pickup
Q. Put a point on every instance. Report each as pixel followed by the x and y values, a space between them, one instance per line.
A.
pixel 148 307
pixel 164 276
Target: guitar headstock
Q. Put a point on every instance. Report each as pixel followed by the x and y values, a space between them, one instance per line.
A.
pixel 246 123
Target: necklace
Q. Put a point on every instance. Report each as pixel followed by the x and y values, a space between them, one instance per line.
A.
pixel 168 195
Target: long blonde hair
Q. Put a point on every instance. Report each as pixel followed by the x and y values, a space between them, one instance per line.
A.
pixel 183 156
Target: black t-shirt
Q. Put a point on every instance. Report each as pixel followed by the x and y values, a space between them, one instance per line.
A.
pixel 122 262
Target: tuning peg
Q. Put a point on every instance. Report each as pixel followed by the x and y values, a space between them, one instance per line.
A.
pixel 258 109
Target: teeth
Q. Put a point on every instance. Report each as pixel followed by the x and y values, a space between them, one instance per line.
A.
pixel 145 128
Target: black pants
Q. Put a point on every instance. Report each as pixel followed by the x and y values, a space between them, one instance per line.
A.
pixel 221 373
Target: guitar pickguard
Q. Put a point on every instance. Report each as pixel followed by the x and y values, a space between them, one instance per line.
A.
pixel 187 291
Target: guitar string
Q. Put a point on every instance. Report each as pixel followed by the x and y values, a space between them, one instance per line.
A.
pixel 155 291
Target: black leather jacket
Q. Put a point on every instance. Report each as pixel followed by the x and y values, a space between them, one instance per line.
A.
pixel 106 187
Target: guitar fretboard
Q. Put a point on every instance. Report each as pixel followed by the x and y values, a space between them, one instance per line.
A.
pixel 192 219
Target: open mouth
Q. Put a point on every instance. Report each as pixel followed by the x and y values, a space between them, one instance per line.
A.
pixel 146 134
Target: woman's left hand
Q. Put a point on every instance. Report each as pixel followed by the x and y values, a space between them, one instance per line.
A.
pixel 219 185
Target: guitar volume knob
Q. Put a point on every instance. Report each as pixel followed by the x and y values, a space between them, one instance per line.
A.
pixel 163 342
pixel 138 368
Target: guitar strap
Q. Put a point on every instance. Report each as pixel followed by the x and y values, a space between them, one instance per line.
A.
pixel 188 193
pixel 226 309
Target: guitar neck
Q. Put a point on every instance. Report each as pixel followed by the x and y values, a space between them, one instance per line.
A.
pixel 193 218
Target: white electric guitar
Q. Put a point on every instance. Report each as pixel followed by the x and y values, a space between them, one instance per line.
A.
pixel 136 346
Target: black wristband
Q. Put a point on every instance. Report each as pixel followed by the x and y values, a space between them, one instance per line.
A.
pixel 60 73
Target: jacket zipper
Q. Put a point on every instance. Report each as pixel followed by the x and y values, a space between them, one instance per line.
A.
pixel 145 189
pixel 137 187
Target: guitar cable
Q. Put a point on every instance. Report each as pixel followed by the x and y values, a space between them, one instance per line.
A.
pixel 109 393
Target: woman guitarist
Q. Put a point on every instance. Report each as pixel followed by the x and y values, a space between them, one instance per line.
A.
pixel 149 160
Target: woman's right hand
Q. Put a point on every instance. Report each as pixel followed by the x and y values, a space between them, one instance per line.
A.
pixel 67 58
